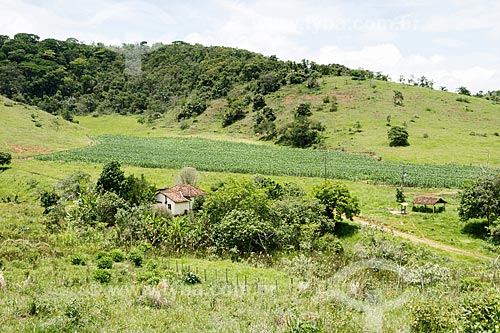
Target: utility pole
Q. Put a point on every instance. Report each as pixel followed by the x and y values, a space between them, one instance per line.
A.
pixel 403 178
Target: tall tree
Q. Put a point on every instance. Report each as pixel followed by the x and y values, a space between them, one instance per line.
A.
pixel 337 200
pixel 112 179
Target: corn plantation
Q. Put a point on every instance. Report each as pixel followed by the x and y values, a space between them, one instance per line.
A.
pixel 223 156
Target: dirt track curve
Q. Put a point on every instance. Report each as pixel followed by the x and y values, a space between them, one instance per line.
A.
pixel 425 241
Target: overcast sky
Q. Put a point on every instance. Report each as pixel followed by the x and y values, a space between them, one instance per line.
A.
pixel 455 43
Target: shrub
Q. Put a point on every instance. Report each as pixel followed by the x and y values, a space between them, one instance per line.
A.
pixel 136 258
pixel 117 255
pixel 244 230
pixel 48 200
pixel 102 276
pixel 400 197
pixel 398 137
pixel 430 315
pixel 328 243
pixel 78 259
pixel 232 115
pixel 5 158
pixel 481 313
pixel 301 133
pixel 192 278
pixel 105 263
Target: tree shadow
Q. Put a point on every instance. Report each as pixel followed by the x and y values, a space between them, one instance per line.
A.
pixel 4 168
pixel 424 209
pixel 476 229
pixel 345 229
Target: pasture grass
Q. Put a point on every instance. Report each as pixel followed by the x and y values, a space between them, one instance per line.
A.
pixel 28 131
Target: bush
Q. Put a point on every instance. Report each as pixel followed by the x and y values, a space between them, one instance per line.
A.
pixel 5 158
pixel 117 256
pixel 77 259
pixel 232 115
pixel 328 243
pixel 105 263
pixel 102 276
pixel 136 258
pixel 302 133
pixel 244 230
pixel 430 315
pixel 398 137
pixel 481 313
pixel 400 197
pixel 192 278
pixel 48 200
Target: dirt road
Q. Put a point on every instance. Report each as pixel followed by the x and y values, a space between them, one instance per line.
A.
pixel 418 240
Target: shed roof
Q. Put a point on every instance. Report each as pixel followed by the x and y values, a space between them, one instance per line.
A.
pixel 181 192
pixel 428 201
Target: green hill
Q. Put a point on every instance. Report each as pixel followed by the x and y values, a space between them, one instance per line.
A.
pixel 231 94
pixel 28 131
pixel 442 129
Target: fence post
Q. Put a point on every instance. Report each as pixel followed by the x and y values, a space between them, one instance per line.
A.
pixel 226 277
pixel 245 283
pixel 205 274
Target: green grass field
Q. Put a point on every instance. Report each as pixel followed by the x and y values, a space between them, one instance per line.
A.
pixel 28 131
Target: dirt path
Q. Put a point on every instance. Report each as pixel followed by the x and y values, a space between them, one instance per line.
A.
pixel 425 241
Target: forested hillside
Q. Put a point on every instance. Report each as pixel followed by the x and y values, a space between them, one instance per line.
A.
pixel 69 77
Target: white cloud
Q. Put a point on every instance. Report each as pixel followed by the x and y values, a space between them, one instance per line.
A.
pixel 389 59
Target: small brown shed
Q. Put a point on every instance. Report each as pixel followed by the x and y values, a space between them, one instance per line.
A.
pixel 429 201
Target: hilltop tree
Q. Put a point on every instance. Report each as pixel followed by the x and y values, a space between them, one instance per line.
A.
pixel 463 91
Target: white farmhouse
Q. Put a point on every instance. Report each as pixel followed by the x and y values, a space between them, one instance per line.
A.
pixel 179 199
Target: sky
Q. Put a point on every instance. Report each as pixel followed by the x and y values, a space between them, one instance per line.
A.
pixel 455 43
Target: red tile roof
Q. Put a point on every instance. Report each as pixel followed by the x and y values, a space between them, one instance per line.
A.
pixel 182 192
